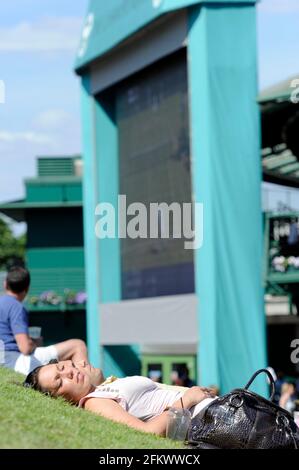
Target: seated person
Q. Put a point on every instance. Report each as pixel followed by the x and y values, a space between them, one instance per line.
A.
pixel 288 397
pixel 21 352
pixel 135 401
pixel 180 377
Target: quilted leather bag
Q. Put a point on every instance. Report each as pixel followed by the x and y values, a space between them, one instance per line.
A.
pixel 243 419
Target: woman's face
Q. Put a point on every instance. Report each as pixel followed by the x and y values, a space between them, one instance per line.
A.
pixel 69 380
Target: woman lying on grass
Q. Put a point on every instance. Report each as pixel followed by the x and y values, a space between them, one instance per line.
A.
pixel 135 401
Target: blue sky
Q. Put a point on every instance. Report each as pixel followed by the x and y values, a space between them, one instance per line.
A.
pixel 278 44
pixel 41 115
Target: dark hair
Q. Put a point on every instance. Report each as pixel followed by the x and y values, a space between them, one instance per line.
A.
pixel 18 279
pixel 32 381
pixel 183 371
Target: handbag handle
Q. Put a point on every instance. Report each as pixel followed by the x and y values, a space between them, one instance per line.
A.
pixel 270 377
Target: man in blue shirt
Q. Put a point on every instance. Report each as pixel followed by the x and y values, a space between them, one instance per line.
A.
pixel 19 351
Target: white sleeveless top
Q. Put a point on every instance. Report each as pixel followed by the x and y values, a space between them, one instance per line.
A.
pixel 140 396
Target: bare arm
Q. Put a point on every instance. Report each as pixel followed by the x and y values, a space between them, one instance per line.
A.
pixel 25 344
pixel 110 409
pixel 72 349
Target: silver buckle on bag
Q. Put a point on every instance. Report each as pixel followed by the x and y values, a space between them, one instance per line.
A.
pixel 236 401
pixel 282 421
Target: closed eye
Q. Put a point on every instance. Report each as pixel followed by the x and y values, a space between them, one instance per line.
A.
pixel 58 383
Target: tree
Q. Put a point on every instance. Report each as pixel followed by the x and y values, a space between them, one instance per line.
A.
pixel 12 249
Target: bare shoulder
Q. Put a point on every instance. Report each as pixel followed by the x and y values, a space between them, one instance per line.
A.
pixel 100 404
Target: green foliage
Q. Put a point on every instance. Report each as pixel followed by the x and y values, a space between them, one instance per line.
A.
pixel 30 420
pixel 12 249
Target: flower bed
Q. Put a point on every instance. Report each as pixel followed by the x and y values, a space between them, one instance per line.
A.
pixel 282 263
pixel 51 298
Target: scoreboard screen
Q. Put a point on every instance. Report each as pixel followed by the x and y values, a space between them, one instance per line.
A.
pixel 154 166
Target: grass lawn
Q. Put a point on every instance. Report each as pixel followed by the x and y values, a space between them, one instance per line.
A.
pixel 29 420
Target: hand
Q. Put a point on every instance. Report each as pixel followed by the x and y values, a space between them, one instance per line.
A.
pixel 196 394
pixel 81 363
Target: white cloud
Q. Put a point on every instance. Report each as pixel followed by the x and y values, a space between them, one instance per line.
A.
pixel 47 34
pixel 19 150
pixel 27 136
pixel 279 6
pixel 53 119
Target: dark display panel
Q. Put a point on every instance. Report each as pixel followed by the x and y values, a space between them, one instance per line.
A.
pixel 154 155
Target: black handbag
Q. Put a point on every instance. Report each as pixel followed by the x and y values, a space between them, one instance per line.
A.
pixel 244 420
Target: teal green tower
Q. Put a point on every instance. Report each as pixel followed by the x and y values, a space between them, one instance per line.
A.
pixel 169 114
